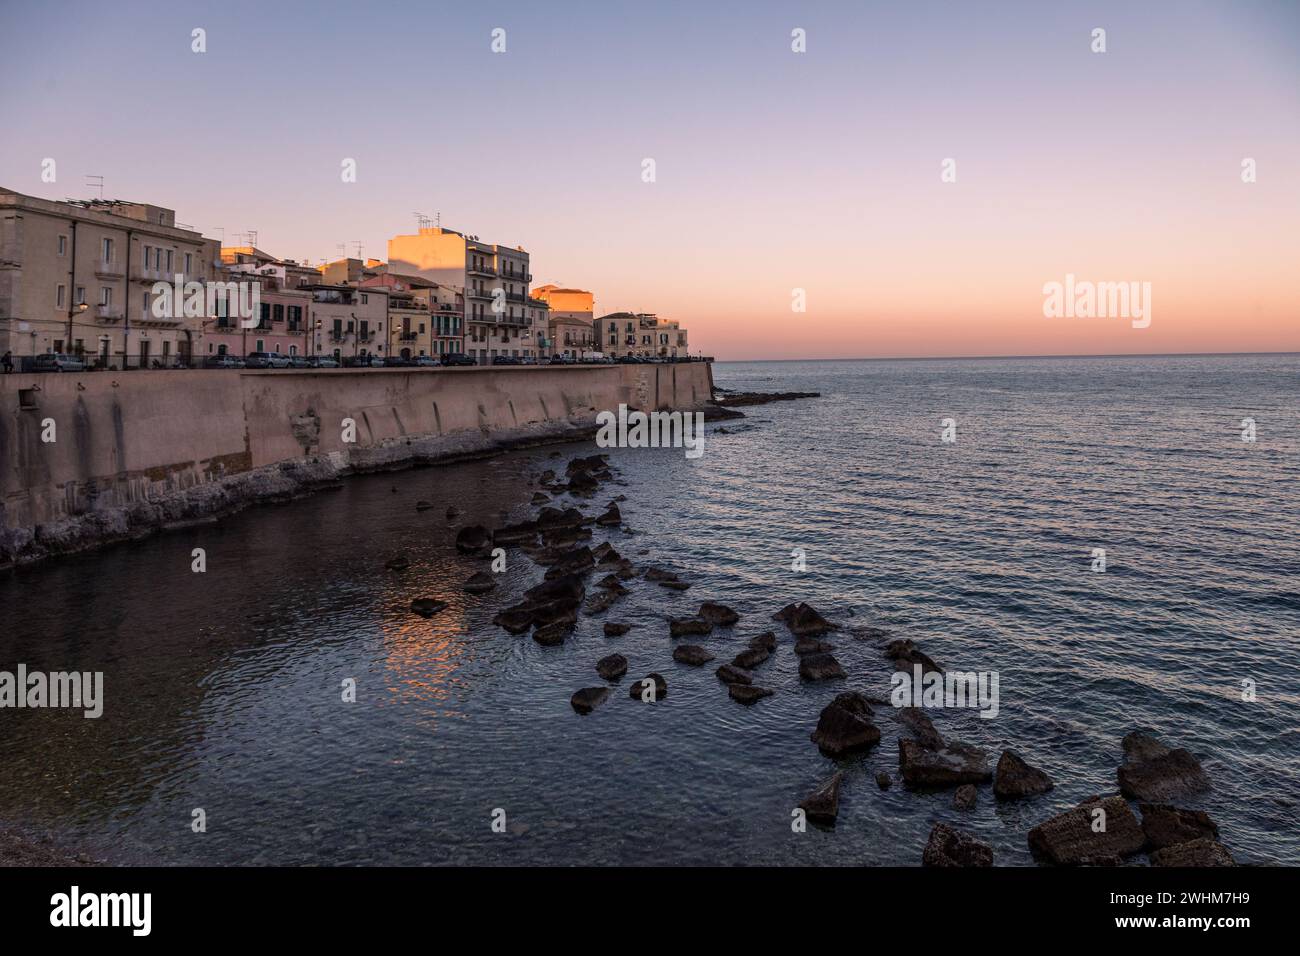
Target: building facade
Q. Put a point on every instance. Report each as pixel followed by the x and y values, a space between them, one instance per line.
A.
pixel 79 277
pixel 569 316
pixel 348 322
pixel 494 280
pixel 640 334
pixel 424 318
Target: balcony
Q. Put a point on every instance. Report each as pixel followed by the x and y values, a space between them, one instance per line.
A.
pixel 478 294
pixel 107 269
pixel 108 313
pixel 148 274
pixel 515 297
pixel 409 336
pixel 482 270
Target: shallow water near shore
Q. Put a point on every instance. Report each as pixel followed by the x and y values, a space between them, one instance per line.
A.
pixel 223 688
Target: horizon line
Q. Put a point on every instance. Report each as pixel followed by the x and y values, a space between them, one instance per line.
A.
pixel 1053 355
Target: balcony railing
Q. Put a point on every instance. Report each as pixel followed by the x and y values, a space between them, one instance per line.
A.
pixel 106 268
pixel 108 312
pixel 482 270
pixel 409 336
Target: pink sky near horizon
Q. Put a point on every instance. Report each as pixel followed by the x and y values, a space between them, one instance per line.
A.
pixel 775 170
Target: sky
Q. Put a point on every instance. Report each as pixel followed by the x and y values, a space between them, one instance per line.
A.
pixel 774 171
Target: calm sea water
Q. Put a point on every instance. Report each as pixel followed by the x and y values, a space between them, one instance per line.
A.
pixel 224 688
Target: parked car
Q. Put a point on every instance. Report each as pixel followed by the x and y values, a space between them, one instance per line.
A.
pixel 58 362
pixel 258 360
pixel 558 359
pixel 397 361
pixel 426 361
pixel 322 361
pixel 224 360
pixel 458 358
pixel 299 361
pixel 506 360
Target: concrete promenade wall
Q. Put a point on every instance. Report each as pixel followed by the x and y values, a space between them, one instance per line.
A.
pixel 136 451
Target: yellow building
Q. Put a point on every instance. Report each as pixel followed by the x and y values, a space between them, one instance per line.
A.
pixel 569 319
pixel 641 334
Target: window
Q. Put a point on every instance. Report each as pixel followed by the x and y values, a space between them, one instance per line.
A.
pixel 279 312
pixel 60 294
pixel 106 249
pixel 105 295
pixel 169 260
pixel 63 245
pixel 146 256
pixel 365 299
pixel 189 263
pixel 81 295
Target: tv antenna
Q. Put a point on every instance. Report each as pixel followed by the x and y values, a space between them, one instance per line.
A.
pixel 96 182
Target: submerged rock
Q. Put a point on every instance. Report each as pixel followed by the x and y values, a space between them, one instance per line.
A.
pixel 747 693
pixel 675 585
pixel 1165 825
pixel 811 645
pixel 427 607
pixel 766 640
pixel 553 634
pixel 845 726
pixel 882 780
pixel 820 667
pixel 964 797
pixel 1202 852
pixel 691 654
pixel 1014 778
pixel 612 667
pixel 611 517
pixel 540 498
pixel 949 766
pixel 803 619
pixel 399 563
pixel 1068 839
pixel 600 602
pixel 950 847
pixel 574 561
pixel 919 727
pixel 718 614
pixel 615 629
pixel 473 539
pixel 729 674
pixel 610 582
pixel 907 655
pixel 480 583
pixel 751 658
pixel 823 804
pixel 682 626
pixel 650 688
pixel 423 505
pixel 1155 773
pixel 588 699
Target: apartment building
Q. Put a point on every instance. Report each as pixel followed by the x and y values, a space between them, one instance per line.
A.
pixel 569 316
pixel 539 320
pixel 494 279
pixel 424 318
pixel 641 334
pixel 347 321
pixel 281 327
pixel 78 276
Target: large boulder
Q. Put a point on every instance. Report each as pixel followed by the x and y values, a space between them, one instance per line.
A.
pixel 1194 853
pixel 427 607
pixel 964 797
pixel 811 645
pixel 1165 825
pixel 1014 778
pixel 650 688
pixel 766 640
pixel 399 563
pixel 948 766
pixel 845 726
pixel 553 634
pixel 480 582
pixel 803 619
pixel 1069 838
pixel 919 727
pixel 950 847
pixel 1154 773
pixel 588 699
pixel 823 804
pixel 907 655
pixel 820 667
pixel 730 674
pixel 574 561
pixel 616 629
pixel 750 658
pixel 682 626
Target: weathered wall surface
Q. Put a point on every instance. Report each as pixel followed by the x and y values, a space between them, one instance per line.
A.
pixel 139 450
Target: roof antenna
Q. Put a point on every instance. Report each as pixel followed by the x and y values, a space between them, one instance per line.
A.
pixel 96 181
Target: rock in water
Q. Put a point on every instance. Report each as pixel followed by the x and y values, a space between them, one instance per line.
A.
pixel 473 539
pixel 845 726
pixel 480 583
pixel 906 655
pixel 802 619
pixel 949 766
pixel 423 505
pixel 614 629
pixel 681 626
pixel 691 654
pixel 811 645
pixel 553 635
pixel 964 797
pixel 1154 773
pixel 1202 852
pixel 882 780
pixel 612 667
pixel 920 728
pixel 823 804
pixel 1014 778
pixel 588 699
pixel 1168 826
pixel 729 674
pixel 766 640
pixel 820 667
pixel 611 518
pixel 747 693
pixel 427 607
pixel 650 688
pixel 399 563
pixel 1068 839
pixel 749 659
pixel 539 498
pixel 718 614
pixel 949 847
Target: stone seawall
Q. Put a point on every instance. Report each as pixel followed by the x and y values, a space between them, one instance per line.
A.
pixel 135 453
